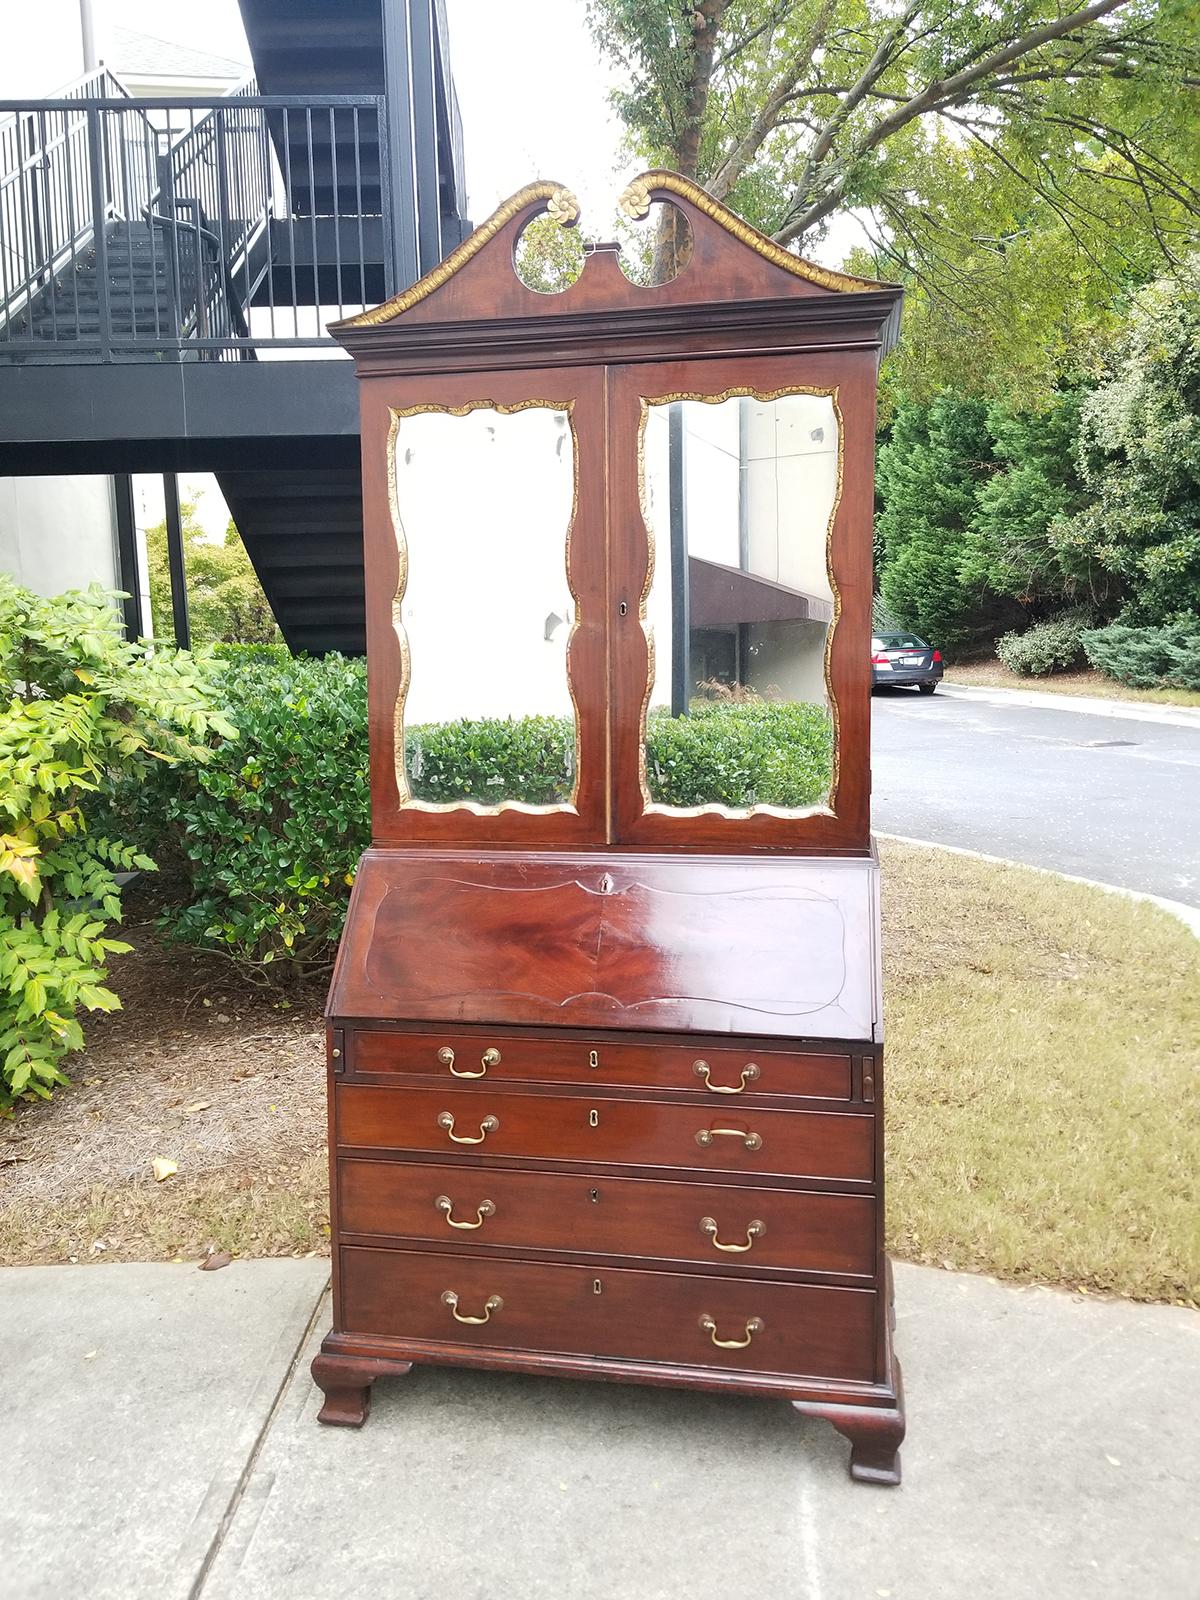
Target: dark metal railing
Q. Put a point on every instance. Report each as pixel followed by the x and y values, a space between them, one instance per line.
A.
pixel 210 229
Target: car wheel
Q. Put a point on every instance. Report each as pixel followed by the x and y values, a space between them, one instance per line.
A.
pixel 927 688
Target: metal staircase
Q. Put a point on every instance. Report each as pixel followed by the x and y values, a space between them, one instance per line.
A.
pixel 153 250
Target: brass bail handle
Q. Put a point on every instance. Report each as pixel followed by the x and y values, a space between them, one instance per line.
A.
pixel 488 1125
pixel 749 1072
pixel 708 1225
pixel 485 1209
pixel 489 1058
pixel 492 1303
pixel 755 1325
pixel 752 1141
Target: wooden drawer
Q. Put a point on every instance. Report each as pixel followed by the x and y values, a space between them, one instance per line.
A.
pixel 512 1059
pixel 577 1213
pixel 611 1312
pixel 626 1132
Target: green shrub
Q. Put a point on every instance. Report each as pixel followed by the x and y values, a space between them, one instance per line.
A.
pixel 1055 645
pixel 269 830
pixel 279 654
pixel 1148 658
pixel 492 759
pixel 84 709
pixel 740 754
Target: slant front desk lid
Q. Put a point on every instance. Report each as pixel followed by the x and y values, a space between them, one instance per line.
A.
pixel 749 945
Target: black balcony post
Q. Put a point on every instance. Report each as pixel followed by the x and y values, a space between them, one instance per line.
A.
pixel 96 172
pixel 129 577
pixel 429 209
pixel 177 563
pixel 400 205
pixel 681 621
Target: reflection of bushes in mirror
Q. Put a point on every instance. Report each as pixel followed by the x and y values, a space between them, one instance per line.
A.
pixel 740 754
pixel 492 759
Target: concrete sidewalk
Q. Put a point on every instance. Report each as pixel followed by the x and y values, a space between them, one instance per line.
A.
pixel 1091 705
pixel 159 1440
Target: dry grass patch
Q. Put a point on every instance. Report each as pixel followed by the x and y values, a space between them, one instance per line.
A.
pixel 1043 1042
pixel 995 675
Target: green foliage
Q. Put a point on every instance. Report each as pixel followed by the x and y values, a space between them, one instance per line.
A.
pixel 548 256
pixel 1012 166
pixel 269 830
pixel 1055 645
pixel 740 754
pixel 1148 658
pixel 1139 453
pixel 492 759
pixel 82 708
pixel 929 476
pixel 225 598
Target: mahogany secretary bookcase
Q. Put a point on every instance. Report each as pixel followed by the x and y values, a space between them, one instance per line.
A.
pixel 604 1032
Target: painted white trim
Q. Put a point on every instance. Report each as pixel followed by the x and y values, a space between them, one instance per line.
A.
pixel 1188 915
pixel 1088 705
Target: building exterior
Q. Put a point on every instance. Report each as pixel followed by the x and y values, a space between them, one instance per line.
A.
pixel 168 263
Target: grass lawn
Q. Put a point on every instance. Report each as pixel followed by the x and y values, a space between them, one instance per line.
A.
pixel 1043 1116
pixel 995 675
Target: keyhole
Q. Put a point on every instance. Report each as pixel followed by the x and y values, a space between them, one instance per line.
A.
pixel 594 1119
pixel 623 608
pixel 596 1288
pixel 594 1196
pixel 593 1058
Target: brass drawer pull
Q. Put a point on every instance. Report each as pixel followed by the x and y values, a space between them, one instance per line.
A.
pixel 488 1125
pixel 492 1303
pixel 485 1209
pixel 749 1073
pixel 708 1225
pixel 755 1325
pixel 489 1058
pixel 752 1141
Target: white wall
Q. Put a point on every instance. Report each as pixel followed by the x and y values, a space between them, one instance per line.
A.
pixel 486 504
pixel 57 533
pixel 791 483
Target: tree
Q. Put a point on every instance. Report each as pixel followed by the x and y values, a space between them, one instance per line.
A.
pixel 226 604
pixel 930 473
pixel 961 136
pixel 1139 456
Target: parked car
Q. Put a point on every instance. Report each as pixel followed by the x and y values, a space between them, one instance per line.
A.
pixel 903 658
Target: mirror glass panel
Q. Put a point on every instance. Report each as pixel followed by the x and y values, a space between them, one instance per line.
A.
pixel 482 505
pixel 739 496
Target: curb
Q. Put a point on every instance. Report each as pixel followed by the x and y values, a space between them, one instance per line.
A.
pixel 1087 705
pixel 1188 915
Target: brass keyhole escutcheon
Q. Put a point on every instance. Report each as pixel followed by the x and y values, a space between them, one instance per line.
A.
pixel 593 1058
pixel 593 1119
pixel 594 1196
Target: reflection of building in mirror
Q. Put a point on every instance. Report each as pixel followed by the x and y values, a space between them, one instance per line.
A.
pixel 739 496
pixel 483 505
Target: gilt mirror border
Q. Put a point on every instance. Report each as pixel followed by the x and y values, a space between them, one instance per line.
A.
pixel 398 816
pixel 843 821
pixel 405 797
pixel 651 807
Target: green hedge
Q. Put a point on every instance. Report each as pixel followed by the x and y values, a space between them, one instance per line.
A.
pixel 268 831
pixel 1148 658
pixel 1055 645
pixel 756 753
pixel 492 759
